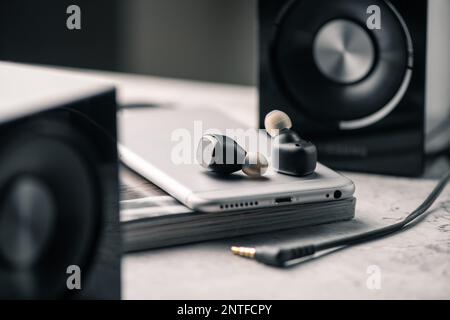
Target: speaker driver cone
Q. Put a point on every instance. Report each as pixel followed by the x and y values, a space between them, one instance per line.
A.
pixel 333 68
pixel 48 209
pixel 27 216
pixel 344 51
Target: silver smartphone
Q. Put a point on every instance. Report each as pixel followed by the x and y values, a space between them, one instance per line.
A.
pixel 160 144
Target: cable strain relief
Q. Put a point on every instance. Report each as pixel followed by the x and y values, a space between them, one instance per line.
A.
pixel 301 252
pixel 276 257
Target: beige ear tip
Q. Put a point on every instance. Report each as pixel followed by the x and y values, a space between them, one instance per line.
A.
pixel 277 120
pixel 255 165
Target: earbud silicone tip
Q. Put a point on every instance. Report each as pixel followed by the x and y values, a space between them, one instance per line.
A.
pixel 255 165
pixel 275 121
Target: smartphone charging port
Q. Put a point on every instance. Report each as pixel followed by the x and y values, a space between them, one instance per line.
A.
pixel 283 200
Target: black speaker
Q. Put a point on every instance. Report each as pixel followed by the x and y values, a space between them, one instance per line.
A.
pixel 372 98
pixel 58 186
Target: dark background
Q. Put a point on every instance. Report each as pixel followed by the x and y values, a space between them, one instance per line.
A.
pixel 209 40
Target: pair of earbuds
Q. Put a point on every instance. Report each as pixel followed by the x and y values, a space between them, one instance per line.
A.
pixel 290 154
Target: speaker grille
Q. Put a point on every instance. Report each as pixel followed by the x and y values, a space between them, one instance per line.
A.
pixel 239 205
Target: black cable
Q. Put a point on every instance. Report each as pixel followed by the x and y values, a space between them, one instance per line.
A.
pixel 280 256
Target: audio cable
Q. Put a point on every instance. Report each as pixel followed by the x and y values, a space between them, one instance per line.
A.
pixel 280 256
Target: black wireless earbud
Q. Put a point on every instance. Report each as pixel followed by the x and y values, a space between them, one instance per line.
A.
pixel 223 155
pixel 290 154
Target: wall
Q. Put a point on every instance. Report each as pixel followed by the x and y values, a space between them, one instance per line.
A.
pixel 211 40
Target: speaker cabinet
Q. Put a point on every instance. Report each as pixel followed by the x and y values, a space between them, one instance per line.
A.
pixel 374 100
pixel 58 186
